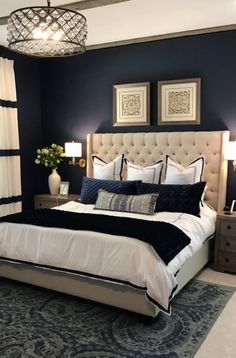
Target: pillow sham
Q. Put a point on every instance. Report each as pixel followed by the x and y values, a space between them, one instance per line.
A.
pixel 150 174
pixel 142 204
pixel 178 174
pixel 90 187
pixel 175 198
pixel 107 171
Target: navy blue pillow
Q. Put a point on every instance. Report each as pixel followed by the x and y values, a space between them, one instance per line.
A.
pixel 90 187
pixel 175 198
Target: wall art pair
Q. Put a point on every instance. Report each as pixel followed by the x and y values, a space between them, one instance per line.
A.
pixel 178 103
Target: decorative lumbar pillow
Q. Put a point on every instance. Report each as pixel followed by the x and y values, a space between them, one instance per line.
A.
pixel 177 174
pixel 175 198
pixel 150 174
pixel 90 187
pixel 142 204
pixel 107 171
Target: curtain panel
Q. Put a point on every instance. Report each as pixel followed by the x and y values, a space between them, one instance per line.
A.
pixel 10 172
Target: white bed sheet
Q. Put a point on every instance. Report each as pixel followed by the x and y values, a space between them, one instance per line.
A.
pixel 114 257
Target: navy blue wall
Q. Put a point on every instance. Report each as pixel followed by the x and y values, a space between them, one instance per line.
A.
pixel 29 118
pixel 76 92
pixel 70 97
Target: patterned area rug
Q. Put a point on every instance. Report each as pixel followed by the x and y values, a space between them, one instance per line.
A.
pixel 40 323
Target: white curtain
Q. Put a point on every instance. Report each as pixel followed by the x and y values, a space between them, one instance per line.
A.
pixel 10 174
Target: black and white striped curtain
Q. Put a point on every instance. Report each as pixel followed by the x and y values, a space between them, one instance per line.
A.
pixel 10 175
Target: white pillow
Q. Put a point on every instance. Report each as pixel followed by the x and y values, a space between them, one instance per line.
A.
pixel 107 171
pixel 150 174
pixel 177 174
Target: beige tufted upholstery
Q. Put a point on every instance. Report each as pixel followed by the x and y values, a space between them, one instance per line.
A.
pixel 147 148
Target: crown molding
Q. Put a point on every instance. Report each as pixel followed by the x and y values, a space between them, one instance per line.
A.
pixel 163 37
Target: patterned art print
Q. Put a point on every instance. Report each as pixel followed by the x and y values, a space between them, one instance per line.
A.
pixel 179 102
pixel 131 104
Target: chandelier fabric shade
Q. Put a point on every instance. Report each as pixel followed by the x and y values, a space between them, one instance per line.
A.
pixel 47 31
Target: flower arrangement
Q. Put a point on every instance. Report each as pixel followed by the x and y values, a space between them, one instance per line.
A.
pixel 51 157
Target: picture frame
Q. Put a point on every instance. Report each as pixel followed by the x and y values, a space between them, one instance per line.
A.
pixel 131 104
pixel 233 208
pixel 64 188
pixel 179 102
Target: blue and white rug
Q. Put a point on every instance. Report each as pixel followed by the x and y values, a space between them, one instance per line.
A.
pixel 40 323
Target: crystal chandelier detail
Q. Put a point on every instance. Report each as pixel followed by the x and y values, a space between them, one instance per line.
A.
pixel 47 31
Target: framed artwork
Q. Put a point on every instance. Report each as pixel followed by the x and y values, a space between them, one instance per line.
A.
pixel 131 104
pixel 233 204
pixel 179 101
pixel 64 188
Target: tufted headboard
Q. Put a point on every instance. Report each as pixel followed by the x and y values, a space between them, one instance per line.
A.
pixel 147 148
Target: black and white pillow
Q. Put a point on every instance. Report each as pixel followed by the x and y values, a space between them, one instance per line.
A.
pixel 150 174
pixel 178 174
pixel 142 204
pixel 107 171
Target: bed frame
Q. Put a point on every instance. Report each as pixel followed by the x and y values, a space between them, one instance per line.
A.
pixel 143 149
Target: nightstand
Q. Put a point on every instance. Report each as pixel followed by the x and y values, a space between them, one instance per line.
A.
pixel 47 201
pixel 225 244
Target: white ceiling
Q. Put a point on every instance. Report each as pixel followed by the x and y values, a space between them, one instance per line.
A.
pixel 140 18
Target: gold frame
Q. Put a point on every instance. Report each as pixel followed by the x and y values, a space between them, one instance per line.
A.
pixel 195 103
pixel 117 89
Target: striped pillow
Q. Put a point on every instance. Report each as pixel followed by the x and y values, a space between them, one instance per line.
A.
pixel 150 174
pixel 107 171
pixel 142 204
pixel 177 174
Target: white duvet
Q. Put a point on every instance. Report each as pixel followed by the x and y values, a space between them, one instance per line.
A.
pixel 120 258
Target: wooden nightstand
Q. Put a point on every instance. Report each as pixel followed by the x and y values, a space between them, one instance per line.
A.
pixel 47 201
pixel 225 244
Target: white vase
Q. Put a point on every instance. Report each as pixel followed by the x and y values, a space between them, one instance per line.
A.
pixel 54 181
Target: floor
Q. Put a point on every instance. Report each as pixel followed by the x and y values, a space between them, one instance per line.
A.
pixel 221 341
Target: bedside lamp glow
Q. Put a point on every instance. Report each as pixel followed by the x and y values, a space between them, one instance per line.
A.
pixel 230 152
pixel 74 150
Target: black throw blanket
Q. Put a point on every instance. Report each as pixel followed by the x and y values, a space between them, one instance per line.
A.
pixel 166 239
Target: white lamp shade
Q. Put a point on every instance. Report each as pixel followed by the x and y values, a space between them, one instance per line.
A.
pixel 230 150
pixel 73 149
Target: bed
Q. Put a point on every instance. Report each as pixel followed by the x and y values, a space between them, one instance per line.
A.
pixel 143 149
